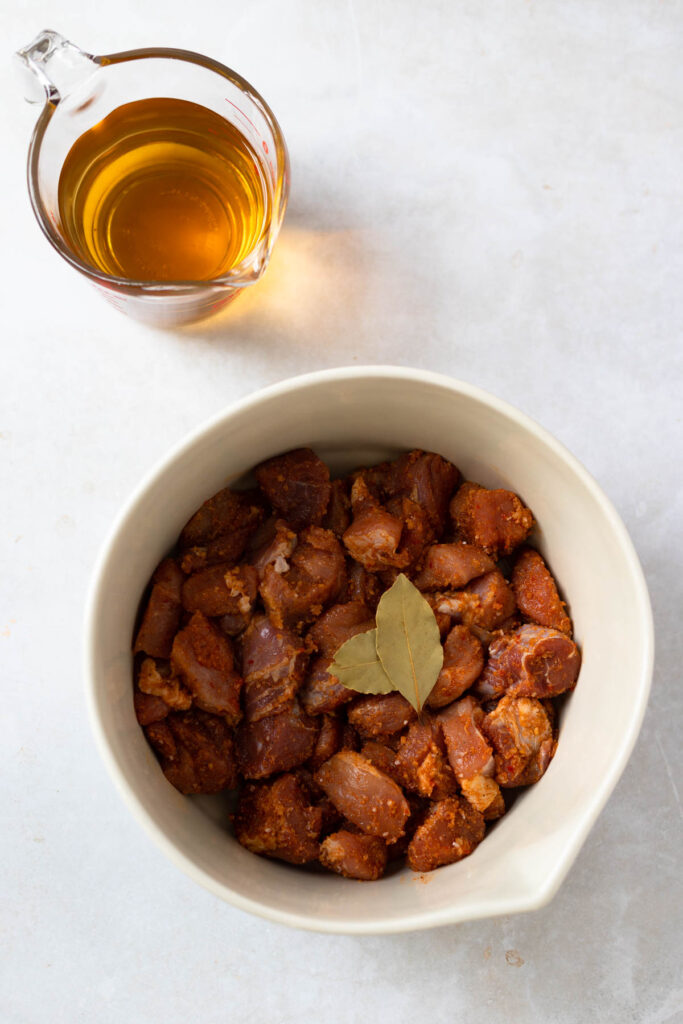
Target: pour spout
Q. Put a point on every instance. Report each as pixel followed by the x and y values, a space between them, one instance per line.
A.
pixel 52 67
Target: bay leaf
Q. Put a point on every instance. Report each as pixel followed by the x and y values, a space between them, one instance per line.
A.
pixel 408 641
pixel 357 666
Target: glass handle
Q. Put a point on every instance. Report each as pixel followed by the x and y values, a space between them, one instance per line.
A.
pixel 52 66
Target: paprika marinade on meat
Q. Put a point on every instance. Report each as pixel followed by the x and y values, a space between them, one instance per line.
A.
pixel 240 624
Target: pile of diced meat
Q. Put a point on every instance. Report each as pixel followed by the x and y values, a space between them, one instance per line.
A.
pixel 242 621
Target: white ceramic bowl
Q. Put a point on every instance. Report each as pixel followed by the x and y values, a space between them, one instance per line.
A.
pixel 352 416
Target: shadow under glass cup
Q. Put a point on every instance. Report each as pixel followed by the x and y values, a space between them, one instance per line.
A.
pixel 79 91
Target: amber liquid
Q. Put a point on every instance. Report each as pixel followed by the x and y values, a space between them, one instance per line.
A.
pixel 163 190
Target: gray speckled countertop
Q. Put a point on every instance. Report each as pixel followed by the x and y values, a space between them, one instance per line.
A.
pixel 489 190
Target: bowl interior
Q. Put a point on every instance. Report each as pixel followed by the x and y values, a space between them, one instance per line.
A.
pixel 351 418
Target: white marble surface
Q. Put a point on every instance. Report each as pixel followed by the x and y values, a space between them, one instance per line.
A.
pixel 489 190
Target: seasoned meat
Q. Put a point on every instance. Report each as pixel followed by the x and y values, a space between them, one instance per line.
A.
pixel 490 601
pixel 297 484
pixel 273 664
pixel 219 530
pixel 149 709
pixel 161 617
pixel 361 585
pixel 463 661
pixel 417 530
pixel 332 819
pixel 322 692
pixel 451 566
pixel 350 738
pixel 426 479
pixel 195 750
pixel 203 658
pixel 377 482
pixel 329 741
pixel 429 480
pixel 418 809
pixel 383 757
pixel 314 579
pixel 292 570
pixel 354 855
pixel 471 756
pixel 380 716
pixel 468 750
pixel 338 515
pixel 451 830
pixel 373 539
pixel 444 620
pixel 232 625
pixel 536 592
pixel 364 795
pixel 221 590
pixel 421 763
pixel 483 792
pixel 495 520
pixel 533 661
pixel 271 652
pixel 275 743
pixel 391 536
pixel 273 544
pixel 338 624
pixel 521 735
pixel 486 603
pixel 156 678
pixel 268 696
pixel 278 819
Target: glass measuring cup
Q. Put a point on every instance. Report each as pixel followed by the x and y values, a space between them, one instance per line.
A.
pixel 79 90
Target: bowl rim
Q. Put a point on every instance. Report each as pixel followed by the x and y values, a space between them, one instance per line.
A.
pixel 419 920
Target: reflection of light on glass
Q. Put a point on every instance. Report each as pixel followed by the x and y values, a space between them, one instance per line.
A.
pixel 313 277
